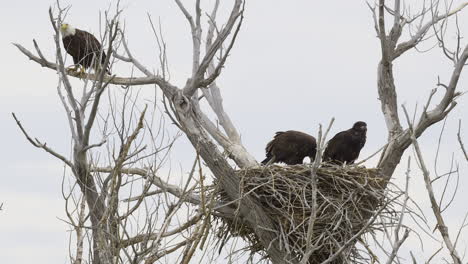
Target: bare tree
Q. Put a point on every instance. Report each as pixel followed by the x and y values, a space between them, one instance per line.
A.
pixel 124 182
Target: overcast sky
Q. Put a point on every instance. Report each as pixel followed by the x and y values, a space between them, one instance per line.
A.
pixel 296 64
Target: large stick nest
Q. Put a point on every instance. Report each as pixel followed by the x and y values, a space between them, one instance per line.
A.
pixel 347 199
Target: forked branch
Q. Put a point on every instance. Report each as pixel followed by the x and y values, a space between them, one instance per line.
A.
pixel 441 226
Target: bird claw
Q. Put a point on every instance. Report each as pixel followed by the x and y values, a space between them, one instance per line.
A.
pixel 82 72
pixel 71 69
pixel 79 70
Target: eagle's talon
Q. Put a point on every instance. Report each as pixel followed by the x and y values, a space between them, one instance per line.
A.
pixel 82 72
pixel 72 68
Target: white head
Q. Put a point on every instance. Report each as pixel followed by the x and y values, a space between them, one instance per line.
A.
pixel 67 30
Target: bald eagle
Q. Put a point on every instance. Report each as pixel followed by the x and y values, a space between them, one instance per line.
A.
pixel 290 147
pixel 346 145
pixel 83 47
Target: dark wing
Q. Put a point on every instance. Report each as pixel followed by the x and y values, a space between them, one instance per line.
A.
pixel 290 147
pixel 358 143
pixel 304 144
pixel 344 147
pixel 72 46
pixel 336 146
pixel 269 149
pixel 92 46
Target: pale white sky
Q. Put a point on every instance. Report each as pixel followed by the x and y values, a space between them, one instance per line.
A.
pixel 296 64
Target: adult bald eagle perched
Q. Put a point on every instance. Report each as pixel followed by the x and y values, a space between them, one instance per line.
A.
pixel 85 49
pixel 290 147
pixel 346 145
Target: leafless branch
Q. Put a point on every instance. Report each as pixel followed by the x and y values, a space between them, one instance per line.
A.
pixel 415 40
pixel 236 12
pixel 462 146
pixel 36 143
pixel 124 81
pixel 146 237
pixel 441 226
pixel 399 242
